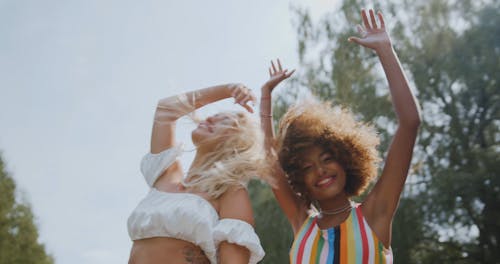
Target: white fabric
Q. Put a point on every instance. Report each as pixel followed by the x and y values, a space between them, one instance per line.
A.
pixel 154 165
pixel 171 108
pixel 240 233
pixel 186 216
pixel 183 216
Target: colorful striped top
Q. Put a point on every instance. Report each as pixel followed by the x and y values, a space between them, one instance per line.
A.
pixel 351 242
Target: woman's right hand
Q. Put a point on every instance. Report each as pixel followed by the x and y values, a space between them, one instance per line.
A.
pixel 276 75
pixel 242 95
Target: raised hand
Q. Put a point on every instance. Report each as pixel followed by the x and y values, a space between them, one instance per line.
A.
pixel 242 95
pixel 373 35
pixel 276 75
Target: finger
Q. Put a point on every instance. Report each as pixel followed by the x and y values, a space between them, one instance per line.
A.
pixel 270 73
pixel 290 73
pixel 241 96
pixel 244 103
pixel 355 40
pixel 279 65
pixel 274 68
pixel 237 93
pixel 381 19
pixel 372 17
pixel 248 108
pixel 365 19
pixel 245 99
pixel 361 31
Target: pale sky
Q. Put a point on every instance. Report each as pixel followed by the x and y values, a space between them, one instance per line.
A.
pixel 79 82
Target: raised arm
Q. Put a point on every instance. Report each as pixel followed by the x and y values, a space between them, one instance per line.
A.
pixel 380 205
pixel 172 108
pixel 294 209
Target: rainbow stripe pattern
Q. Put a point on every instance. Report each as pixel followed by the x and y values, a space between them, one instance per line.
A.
pixel 353 242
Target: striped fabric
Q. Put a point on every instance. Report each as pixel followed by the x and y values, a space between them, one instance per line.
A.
pixel 353 242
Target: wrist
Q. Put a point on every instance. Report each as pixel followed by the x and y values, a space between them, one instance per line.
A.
pixel 266 90
pixel 229 88
pixel 385 50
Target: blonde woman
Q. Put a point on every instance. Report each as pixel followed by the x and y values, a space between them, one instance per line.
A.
pixel 203 215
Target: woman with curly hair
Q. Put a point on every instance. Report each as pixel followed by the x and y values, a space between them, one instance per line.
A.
pixel 205 214
pixel 326 157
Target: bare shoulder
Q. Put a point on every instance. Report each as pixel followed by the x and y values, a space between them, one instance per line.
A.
pixel 235 203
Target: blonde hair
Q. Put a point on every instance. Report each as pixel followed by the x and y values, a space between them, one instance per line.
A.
pixel 352 143
pixel 237 157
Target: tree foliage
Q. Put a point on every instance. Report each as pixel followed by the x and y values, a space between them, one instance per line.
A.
pixel 18 232
pixel 271 225
pixel 457 71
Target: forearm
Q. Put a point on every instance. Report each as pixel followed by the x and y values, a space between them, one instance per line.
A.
pixel 208 95
pixel 292 206
pixel 173 107
pixel 266 118
pixel 405 104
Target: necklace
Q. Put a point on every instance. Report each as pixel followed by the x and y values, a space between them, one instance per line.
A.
pixel 335 211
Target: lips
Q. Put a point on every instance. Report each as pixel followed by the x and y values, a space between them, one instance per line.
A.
pixel 325 182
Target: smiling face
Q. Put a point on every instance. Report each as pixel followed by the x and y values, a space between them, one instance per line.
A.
pixel 213 129
pixel 324 178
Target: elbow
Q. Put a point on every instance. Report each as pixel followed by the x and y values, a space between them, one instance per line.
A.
pixel 416 121
pixel 165 112
pixel 412 122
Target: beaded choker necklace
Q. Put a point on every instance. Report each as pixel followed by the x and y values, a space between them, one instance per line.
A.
pixel 335 211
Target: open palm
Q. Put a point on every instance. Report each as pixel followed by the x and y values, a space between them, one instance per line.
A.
pixel 373 34
pixel 276 75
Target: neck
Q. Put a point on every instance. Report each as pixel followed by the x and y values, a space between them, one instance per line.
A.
pixel 339 201
pixel 198 159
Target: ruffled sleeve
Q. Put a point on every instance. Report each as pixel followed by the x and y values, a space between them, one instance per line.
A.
pixel 154 165
pixel 240 233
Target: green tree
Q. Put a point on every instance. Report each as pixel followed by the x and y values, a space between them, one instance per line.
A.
pixel 271 225
pixel 455 66
pixel 18 233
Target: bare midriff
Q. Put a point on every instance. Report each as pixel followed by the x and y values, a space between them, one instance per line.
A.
pixel 161 250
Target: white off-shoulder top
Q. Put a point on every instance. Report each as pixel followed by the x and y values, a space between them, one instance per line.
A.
pixel 186 216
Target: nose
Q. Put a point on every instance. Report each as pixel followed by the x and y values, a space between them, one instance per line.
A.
pixel 321 170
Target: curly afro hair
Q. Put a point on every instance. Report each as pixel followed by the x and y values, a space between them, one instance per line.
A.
pixel 352 143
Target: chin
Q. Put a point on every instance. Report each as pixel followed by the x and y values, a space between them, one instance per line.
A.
pixel 196 137
pixel 328 193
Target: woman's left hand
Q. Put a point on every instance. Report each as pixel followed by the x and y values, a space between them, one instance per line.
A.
pixel 373 35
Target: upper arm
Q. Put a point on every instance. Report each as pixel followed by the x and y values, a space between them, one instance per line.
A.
pixel 381 204
pixel 162 136
pixel 293 207
pixel 167 112
pixel 235 204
